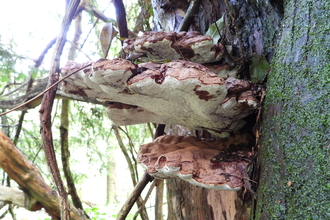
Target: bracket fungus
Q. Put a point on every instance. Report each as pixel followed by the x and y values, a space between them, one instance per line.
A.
pixel 191 46
pixel 179 92
pixel 219 165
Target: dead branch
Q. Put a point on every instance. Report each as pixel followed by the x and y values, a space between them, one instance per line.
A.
pixel 145 199
pixel 17 197
pixel 28 177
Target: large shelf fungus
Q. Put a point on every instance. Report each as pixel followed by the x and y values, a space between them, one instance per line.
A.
pixel 219 165
pixel 191 46
pixel 179 92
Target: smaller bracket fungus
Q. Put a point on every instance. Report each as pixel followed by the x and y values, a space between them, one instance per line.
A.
pixel 191 46
pixel 179 92
pixel 219 165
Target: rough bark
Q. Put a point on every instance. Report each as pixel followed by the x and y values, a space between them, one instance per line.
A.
pixel 203 204
pixel 251 25
pixel 295 177
pixel 159 199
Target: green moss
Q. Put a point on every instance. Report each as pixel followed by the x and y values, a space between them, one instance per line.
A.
pixel 295 176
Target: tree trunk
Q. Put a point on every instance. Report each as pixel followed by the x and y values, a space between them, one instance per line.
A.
pixel 295 178
pixel 188 201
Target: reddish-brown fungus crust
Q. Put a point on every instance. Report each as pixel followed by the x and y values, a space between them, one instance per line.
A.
pixel 79 92
pixel 207 163
pixel 118 105
pixel 181 70
pixel 205 95
pixel 237 85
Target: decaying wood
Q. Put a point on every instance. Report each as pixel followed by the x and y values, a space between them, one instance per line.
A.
pixel 28 177
pixel 202 203
pixel 17 197
pixel 159 199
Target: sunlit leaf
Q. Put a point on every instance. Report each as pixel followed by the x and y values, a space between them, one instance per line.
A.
pixel 4 78
pixel 215 30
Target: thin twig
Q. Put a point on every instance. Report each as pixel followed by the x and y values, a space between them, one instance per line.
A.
pixel 190 14
pixel 145 199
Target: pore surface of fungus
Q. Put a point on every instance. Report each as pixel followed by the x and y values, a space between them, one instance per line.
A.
pixel 217 165
pixel 179 92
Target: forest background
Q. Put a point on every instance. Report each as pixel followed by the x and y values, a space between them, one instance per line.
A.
pixel 99 168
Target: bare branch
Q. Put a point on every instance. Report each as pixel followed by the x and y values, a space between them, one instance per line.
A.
pixel 134 196
pixel 46 109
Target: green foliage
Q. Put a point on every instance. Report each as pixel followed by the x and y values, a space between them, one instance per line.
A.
pixel 258 68
pixel 215 30
pixel 8 61
pixel 95 214
pixel 90 135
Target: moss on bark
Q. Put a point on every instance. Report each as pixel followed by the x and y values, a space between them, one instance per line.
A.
pixel 295 154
